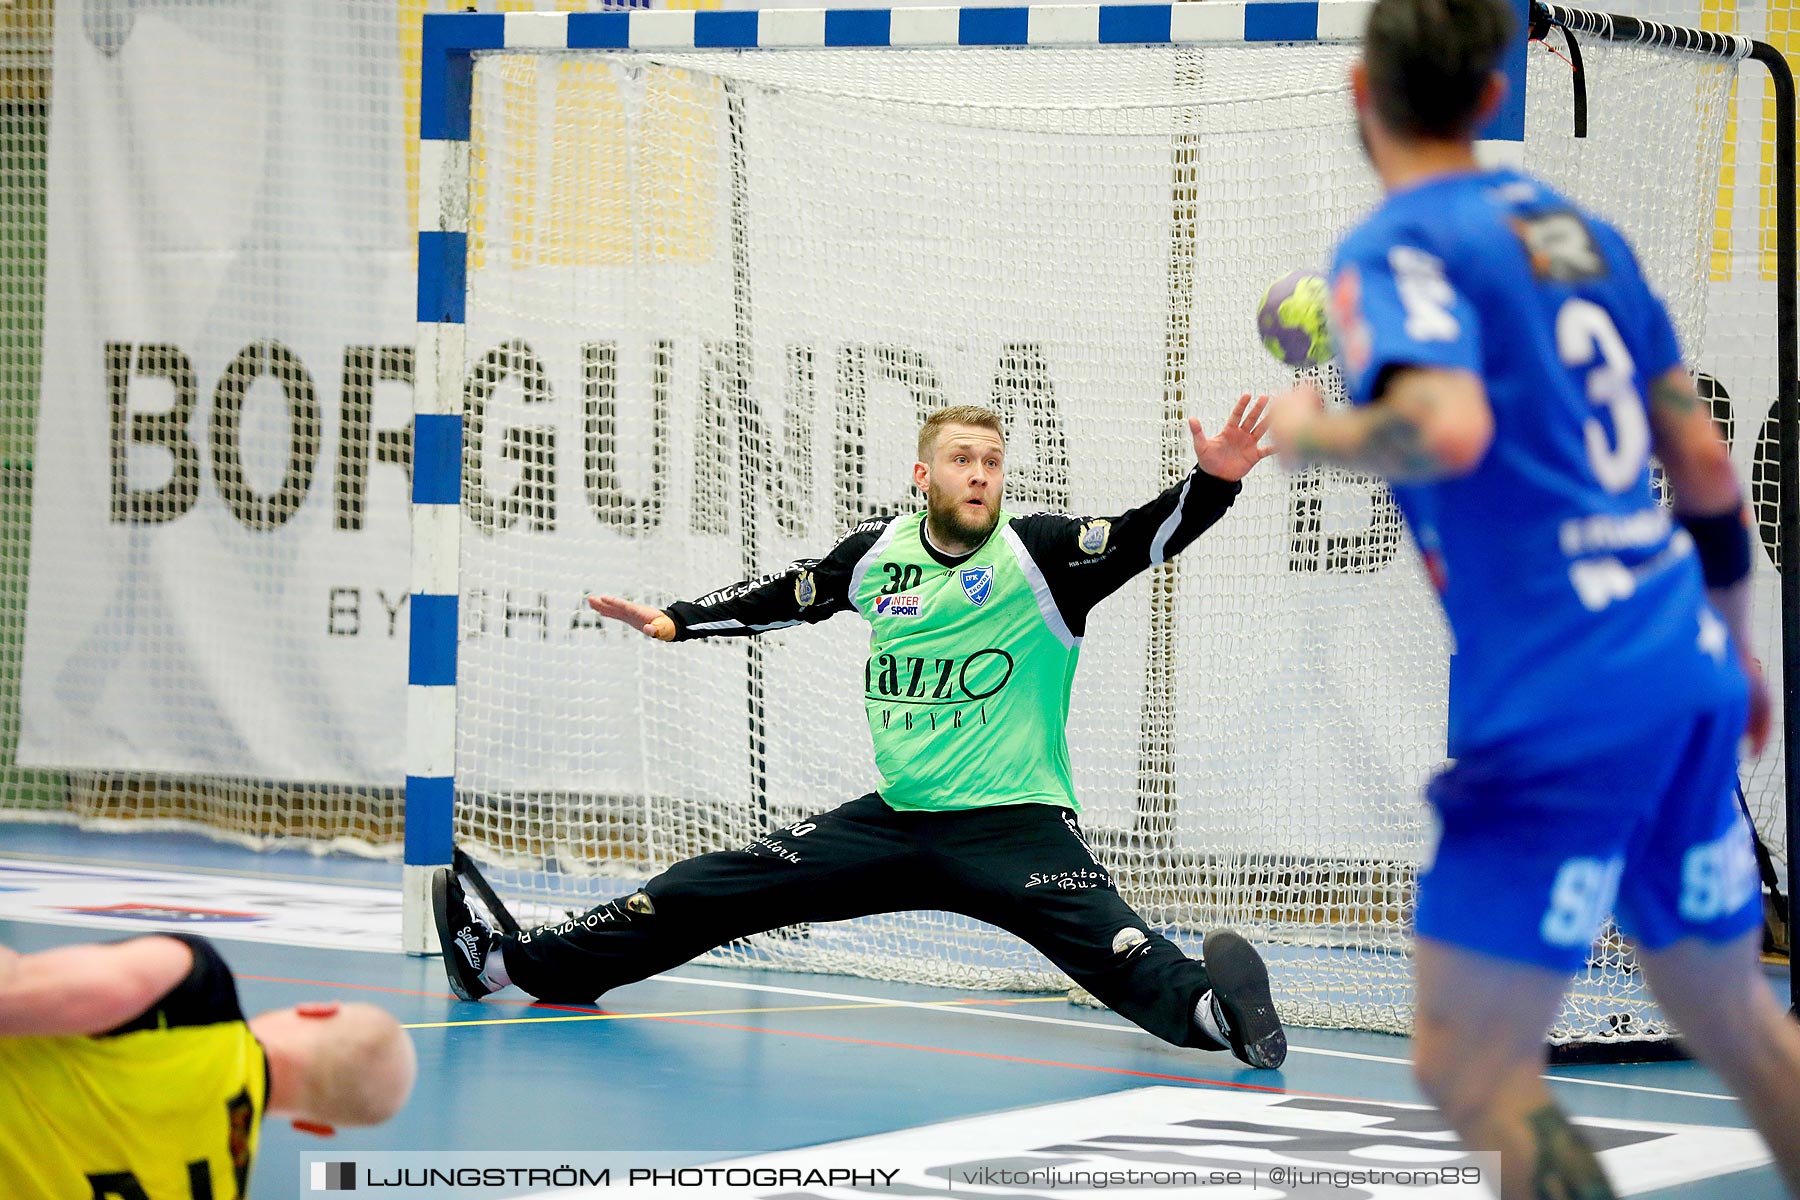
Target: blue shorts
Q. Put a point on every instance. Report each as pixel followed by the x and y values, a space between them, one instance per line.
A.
pixel 1530 861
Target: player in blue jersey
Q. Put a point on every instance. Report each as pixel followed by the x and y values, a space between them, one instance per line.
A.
pixel 1511 375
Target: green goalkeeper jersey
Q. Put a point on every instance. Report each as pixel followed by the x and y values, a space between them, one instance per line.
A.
pixel 967 683
pixel 971 657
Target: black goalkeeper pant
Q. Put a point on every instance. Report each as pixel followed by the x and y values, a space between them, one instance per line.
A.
pixel 1023 867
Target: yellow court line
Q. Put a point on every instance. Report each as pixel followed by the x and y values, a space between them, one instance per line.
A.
pixel 718 1012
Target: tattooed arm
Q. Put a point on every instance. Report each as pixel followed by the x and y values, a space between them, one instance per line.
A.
pixel 1429 423
pixel 1710 504
pixel 1693 455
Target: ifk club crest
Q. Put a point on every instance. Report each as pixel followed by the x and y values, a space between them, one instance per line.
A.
pixel 977 582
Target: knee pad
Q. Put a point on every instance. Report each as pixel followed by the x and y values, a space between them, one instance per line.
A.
pixel 1129 943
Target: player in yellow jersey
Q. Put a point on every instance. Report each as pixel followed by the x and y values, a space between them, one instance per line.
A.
pixel 128 1072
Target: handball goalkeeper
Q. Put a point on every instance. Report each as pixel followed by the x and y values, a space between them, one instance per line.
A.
pixel 976 619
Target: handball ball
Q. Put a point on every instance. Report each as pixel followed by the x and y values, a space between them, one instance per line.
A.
pixel 1291 321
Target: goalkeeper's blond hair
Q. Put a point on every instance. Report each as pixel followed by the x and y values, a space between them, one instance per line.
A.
pixel 959 414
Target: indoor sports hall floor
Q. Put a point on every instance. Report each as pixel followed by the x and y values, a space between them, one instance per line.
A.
pixel 710 1064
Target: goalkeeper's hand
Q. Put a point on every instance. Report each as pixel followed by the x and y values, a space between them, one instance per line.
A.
pixel 1230 453
pixel 652 622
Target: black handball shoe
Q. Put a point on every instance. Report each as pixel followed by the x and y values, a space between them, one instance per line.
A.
pixel 466 939
pixel 1240 1000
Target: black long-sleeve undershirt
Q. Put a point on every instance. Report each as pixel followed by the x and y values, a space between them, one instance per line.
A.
pixel 1083 560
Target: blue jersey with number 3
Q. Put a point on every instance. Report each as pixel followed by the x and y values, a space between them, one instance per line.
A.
pixel 1575 601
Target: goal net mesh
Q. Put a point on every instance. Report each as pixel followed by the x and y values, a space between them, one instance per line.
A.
pixel 710 298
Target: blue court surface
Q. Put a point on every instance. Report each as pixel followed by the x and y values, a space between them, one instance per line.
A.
pixel 707 1064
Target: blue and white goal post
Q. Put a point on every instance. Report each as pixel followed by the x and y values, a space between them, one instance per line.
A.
pixel 688 282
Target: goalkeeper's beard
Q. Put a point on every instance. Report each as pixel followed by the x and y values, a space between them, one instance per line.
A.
pixel 948 518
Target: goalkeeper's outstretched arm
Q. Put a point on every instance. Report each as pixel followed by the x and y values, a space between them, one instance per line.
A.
pixel 1086 559
pixel 803 592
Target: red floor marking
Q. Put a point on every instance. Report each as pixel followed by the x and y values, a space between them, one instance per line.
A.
pixel 369 987
pixel 360 987
pixel 1034 1062
pixel 828 1037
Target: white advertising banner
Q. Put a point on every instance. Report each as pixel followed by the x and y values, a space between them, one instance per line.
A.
pixel 219 537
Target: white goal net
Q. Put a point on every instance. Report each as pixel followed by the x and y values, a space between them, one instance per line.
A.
pixel 710 297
